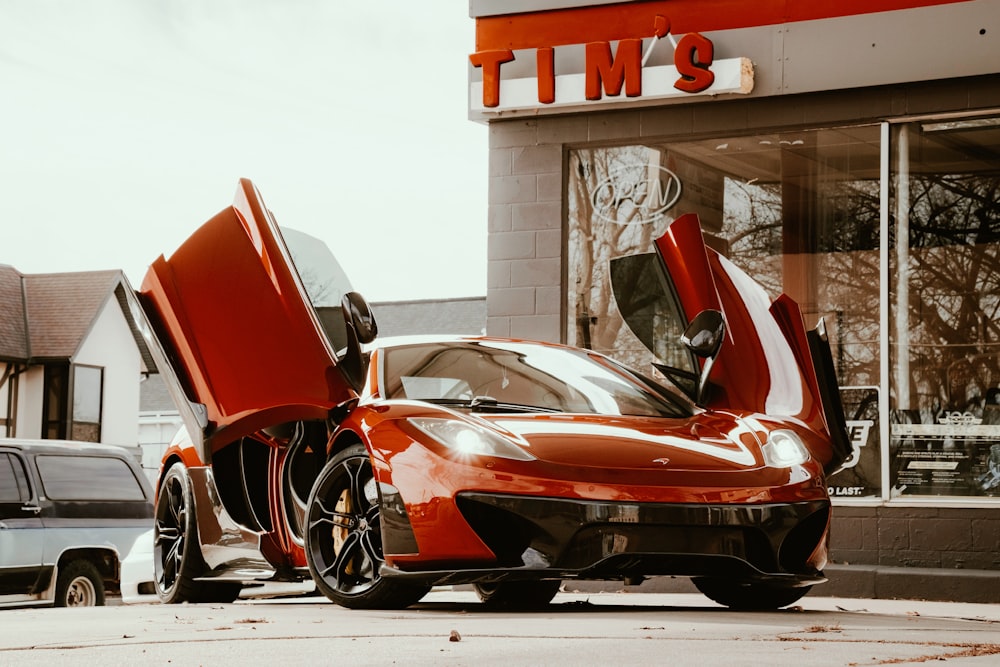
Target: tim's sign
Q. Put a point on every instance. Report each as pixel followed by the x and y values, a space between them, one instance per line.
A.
pixel 610 75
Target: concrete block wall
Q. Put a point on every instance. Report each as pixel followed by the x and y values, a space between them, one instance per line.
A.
pixel 933 537
pixel 524 277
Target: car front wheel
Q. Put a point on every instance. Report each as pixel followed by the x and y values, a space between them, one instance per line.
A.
pixel 343 538
pixel 79 584
pixel 748 596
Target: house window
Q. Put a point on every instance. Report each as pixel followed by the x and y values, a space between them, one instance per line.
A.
pixel 81 387
pixel 55 402
pixel 88 390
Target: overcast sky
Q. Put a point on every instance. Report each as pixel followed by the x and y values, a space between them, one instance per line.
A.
pixel 127 123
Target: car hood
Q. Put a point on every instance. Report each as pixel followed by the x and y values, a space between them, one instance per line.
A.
pixel 708 441
pixel 236 320
pixel 767 362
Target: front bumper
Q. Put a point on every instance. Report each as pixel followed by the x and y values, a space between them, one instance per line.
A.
pixel 538 538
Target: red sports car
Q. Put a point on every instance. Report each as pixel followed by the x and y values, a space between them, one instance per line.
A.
pixel 383 468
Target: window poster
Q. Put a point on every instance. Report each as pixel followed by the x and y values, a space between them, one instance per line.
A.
pixel 958 455
pixel 861 475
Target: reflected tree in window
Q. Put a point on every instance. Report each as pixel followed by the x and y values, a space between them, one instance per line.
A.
pixel 945 288
pixel 606 223
pixel 953 274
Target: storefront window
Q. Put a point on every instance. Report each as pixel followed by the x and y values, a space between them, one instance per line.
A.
pixel 944 273
pixel 798 211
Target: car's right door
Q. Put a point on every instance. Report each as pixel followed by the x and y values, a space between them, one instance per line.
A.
pixel 767 362
pixel 21 532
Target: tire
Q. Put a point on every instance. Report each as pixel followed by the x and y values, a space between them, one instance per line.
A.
pixel 344 541
pixel 177 557
pixel 748 597
pixel 79 584
pixel 521 595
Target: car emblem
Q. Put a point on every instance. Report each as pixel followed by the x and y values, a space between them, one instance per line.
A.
pixel 663 461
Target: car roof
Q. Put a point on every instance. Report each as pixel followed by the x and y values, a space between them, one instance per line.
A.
pixel 35 446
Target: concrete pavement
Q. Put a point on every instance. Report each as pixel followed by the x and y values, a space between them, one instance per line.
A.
pixel 451 628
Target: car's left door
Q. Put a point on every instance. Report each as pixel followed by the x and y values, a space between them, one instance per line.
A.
pixel 21 530
pixel 252 336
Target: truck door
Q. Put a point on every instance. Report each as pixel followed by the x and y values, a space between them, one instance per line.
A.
pixel 21 533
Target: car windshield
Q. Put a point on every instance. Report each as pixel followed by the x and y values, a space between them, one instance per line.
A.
pixel 514 377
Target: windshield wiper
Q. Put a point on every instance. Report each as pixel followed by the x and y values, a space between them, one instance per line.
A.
pixel 487 404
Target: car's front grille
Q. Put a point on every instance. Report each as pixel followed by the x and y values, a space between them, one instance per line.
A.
pixel 647 538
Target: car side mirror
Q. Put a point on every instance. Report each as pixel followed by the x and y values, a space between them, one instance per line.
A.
pixel 359 317
pixel 361 328
pixel 703 337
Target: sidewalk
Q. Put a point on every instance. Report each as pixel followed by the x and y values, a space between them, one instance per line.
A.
pixel 868 582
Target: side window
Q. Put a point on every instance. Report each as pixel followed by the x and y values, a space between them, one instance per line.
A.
pixel 87 478
pixel 13 479
pixel 648 305
pixel 324 281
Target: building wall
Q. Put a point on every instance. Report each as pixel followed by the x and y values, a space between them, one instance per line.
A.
pixel 110 345
pixel 926 537
pixel 29 403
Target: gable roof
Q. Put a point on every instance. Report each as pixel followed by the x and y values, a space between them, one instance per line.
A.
pixel 47 316
pixel 61 307
pixel 13 326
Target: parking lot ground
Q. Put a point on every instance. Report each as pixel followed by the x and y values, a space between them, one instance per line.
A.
pixel 452 628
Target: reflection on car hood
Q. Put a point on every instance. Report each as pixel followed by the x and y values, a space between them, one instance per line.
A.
pixel 708 442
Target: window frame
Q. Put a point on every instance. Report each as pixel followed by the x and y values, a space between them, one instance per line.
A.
pixel 883 250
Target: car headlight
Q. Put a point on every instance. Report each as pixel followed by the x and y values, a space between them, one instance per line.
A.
pixel 469 439
pixel 784 449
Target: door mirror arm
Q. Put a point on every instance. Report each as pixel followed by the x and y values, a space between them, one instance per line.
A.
pixel 703 337
pixel 361 329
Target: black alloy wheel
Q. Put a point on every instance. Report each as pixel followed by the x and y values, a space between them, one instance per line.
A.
pixel 343 537
pixel 177 560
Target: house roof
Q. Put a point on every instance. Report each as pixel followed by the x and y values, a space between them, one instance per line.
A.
pixel 13 327
pixel 47 316
pixel 61 307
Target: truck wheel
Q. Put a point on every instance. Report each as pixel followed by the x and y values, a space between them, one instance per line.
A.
pixel 79 584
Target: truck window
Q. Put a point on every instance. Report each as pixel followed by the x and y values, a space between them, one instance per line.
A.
pixel 87 478
pixel 13 480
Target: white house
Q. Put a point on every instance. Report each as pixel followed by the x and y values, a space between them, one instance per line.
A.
pixel 71 357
